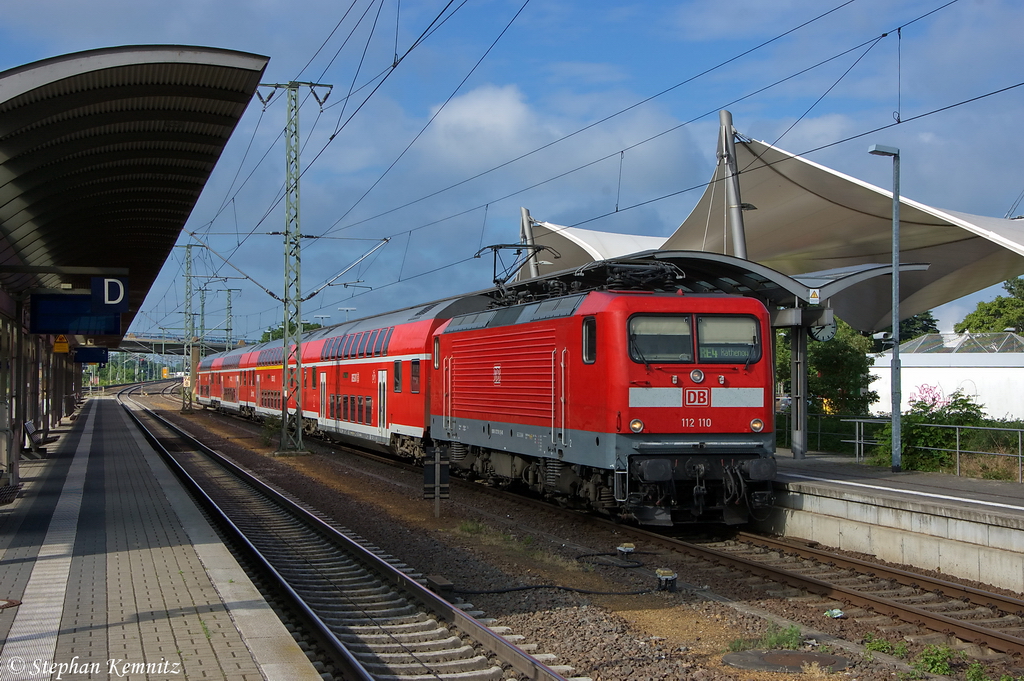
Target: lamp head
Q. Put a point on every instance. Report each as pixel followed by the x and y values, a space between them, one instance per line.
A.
pixel 882 150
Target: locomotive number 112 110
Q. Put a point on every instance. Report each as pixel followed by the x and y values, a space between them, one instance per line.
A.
pixel 696 423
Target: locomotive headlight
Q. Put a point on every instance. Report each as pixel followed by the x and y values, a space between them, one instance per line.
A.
pixel 757 425
pixel 697 376
pixel 636 425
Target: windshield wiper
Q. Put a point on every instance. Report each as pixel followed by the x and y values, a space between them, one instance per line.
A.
pixel 750 354
pixel 636 348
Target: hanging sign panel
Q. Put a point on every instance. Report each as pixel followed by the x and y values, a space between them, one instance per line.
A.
pixel 71 315
pixel 92 355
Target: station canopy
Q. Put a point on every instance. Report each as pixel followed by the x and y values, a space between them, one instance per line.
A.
pixel 103 155
pixel 819 227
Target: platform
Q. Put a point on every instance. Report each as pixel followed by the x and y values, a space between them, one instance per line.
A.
pixel 119 574
pixel 963 527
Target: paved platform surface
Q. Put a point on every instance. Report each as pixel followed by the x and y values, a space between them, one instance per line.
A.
pixel 120 576
pixel 997 497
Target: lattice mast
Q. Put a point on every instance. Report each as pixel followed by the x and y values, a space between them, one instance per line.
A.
pixel 291 384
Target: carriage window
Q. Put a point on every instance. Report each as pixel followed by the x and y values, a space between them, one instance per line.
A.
pixel 414 376
pixel 330 411
pixel 369 411
pixel 378 346
pixel 660 338
pixel 371 341
pixel 589 340
pixel 359 409
pixel 730 340
pixel 361 349
pixel 347 350
pixel 398 375
pixel 344 408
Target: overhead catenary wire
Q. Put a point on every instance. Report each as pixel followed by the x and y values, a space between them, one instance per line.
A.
pixel 620 152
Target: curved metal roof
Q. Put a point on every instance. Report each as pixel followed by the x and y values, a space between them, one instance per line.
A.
pixel 103 155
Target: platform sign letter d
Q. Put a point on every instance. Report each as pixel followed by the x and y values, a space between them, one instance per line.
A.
pixel 109 295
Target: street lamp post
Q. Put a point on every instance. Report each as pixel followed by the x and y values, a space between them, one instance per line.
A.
pixel 897 435
pixel 346 310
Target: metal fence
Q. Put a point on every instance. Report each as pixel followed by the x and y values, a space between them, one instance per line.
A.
pixel 1012 438
pixel 825 432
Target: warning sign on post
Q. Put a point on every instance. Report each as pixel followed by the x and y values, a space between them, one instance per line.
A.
pixel 60 345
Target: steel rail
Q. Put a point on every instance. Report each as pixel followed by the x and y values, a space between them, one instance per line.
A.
pixel 349 665
pixel 503 649
pixel 962 629
pixel 963 592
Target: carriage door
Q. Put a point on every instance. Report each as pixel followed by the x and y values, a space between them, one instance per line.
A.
pixel 382 404
pixel 323 396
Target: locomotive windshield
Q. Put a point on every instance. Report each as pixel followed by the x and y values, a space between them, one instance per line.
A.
pixel 662 338
pixel 728 339
pixel 670 338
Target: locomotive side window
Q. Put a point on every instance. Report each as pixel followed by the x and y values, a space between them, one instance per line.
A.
pixel 398 375
pixel 725 339
pixel 437 352
pixel 589 340
pixel 414 376
pixel 660 338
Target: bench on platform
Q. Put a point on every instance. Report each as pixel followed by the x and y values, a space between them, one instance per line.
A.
pixel 37 438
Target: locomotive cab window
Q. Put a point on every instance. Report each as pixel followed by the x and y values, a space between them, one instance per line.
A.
pixel 589 340
pixel 660 338
pixel 728 340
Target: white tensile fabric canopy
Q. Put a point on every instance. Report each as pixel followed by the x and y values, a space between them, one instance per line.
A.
pixel 810 218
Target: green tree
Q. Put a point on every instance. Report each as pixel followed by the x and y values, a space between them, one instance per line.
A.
pixel 839 370
pixel 918 325
pixel 996 315
pixel 999 314
pixel 277 332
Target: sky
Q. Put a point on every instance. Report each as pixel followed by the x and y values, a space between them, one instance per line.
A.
pixel 592 113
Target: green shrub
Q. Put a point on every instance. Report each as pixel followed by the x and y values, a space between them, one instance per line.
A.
pixel 919 444
pixel 936 660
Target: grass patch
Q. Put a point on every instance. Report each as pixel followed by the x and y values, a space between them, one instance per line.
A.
pixel 525 545
pixel 270 432
pixel 775 638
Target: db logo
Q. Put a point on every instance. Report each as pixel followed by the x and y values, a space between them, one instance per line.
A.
pixel 697 397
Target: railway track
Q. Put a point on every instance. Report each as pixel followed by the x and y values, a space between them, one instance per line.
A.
pixel 866 590
pixel 370 613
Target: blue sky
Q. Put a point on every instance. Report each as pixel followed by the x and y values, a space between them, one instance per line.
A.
pixel 498 79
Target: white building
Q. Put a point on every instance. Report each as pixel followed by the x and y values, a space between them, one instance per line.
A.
pixel 988 367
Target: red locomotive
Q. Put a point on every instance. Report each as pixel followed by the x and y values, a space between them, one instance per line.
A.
pixel 651 405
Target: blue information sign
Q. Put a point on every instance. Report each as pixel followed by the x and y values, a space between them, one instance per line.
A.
pixel 88 355
pixel 70 314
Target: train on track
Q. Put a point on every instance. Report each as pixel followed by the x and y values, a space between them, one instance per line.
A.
pixel 636 399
